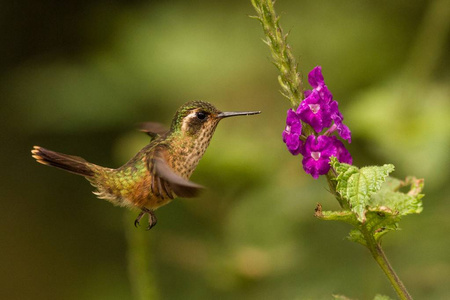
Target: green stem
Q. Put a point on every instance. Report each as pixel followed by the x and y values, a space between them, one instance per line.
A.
pixel 332 185
pixel 379 256
pixel 140 262
pixel 289 78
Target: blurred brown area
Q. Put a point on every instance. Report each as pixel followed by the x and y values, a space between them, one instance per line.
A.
pixel 77 76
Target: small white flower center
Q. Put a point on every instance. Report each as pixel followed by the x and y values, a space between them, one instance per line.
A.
pixel 288 129
pixel 315 155
pixel 314 107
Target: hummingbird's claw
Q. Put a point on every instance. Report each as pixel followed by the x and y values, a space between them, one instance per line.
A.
pixel 139 217
pixel 151 226
pixel 152 220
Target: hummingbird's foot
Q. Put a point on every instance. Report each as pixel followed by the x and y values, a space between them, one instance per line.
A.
pixel 152 220
pixel 138 219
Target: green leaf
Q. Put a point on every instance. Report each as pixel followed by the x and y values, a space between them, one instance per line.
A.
pixel 389 204
pixel 379 223
pixel 355 235
pixel 346 216
pixel 390 198
pixel 373 203
pixel 356 186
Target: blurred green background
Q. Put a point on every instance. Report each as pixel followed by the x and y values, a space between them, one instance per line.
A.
pixel 76 76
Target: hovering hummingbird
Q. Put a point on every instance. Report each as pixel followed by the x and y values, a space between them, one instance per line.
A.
pixel 160 171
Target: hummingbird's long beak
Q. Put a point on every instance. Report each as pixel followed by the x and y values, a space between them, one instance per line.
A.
pixel 236 113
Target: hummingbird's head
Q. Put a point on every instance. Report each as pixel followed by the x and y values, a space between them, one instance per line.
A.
pixel 196 118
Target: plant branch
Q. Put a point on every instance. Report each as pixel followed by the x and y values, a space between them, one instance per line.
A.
pixel 292 88
pixel 379 256
pixel 289 78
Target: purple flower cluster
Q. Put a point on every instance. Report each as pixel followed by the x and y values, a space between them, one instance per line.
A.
pixel 320 111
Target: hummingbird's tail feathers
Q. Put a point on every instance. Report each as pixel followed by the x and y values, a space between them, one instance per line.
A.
pixel 73 164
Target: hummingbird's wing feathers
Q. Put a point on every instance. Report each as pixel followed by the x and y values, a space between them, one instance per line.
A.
pixel 181 186
pixel 160 187
pixel 153 129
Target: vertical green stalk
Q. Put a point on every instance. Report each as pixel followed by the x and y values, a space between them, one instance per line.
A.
pixel 379 256
pixel 289 78
pixel 141 268
pixel 292 88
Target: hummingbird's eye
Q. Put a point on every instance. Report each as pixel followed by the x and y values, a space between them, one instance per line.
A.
pixel 201 115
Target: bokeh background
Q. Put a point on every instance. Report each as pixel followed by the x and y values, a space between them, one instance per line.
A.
pixel 76 76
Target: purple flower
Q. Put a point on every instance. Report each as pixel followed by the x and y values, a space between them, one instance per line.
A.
pixel 316 80
pixel 317 152
pixel 292 132
pixel 320 111
pixel 336 116
pixel 315 77
pixel 315 108
pixel 342 153
pixel 316 155
pixel 315 111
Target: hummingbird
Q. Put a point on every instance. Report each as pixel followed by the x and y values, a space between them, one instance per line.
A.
pixel 160 171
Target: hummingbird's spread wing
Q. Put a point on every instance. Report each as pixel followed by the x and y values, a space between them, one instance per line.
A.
pixel 182 187
pixel 153 129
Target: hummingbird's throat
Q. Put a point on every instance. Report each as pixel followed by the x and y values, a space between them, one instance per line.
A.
pixel 192 148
